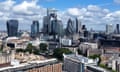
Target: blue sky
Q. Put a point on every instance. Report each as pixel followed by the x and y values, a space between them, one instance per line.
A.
pixel 93 13
pixel 64 4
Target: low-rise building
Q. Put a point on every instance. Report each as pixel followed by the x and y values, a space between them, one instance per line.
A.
pixel 66 42
pixel 49 65
pixel 116 64
pixel 89 45
pixel 95 69
pixel 77 63
pixel 86 45
pixel 107 58
pixel 91 52
pixel 6 58
pixel 17 43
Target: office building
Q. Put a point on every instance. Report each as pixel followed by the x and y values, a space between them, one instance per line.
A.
pixel 60 28
pixel 77 63
pixel 84 46
pixel 84 27
pixel 5 58
pixel 51 14
pixel 116 64
pixel 117 29
pixel 70 30
pixel 66 42
pixel 78 25
pixel 46 25
pixel 109 28
pixel 84 31
pixel 56 27
pixel 35 29
pixel 12 28
pixel 91 52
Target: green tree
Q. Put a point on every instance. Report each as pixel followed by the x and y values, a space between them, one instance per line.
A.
pixel 1 47
pixel 30 48
pixel 36 51
pixel 103 66
pixel 20 50
pixel 94 56
pixel 43 47
pixel 114 71
pixel 58 53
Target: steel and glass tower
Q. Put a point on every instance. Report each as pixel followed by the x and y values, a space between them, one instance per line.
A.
pixel 12 28
pixel 35 28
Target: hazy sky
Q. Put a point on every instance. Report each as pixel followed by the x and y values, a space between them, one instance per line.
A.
pixel 93 13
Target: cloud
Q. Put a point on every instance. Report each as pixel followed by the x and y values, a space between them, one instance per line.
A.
pixel 27 11
pixel 76 11
pixel 117 1
pixel 26 8
pixel 6 5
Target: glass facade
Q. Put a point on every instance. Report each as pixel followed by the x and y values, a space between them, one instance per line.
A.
pixel 12 28
pixel 35 28
pixel 56 27
pixel 70 30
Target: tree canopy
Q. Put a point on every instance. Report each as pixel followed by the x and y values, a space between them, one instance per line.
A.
pixel 94 56
pixel 58 52
pixel 43 47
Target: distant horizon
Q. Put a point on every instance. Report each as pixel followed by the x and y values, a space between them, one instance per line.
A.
pixel 94 14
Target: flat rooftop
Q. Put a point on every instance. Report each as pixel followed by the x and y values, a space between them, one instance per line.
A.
pixel 28 65
pixel 80 58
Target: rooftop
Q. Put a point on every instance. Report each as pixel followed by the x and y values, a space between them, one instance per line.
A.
pixel 79 58
pixel 28 65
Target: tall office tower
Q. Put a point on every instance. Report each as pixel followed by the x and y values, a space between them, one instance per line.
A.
pixel 70 27
pixel 35 29
pixel 60 28
pixel 117 29
pixel 51 14
pixel 109 28
pixel 46 24
pixel 84 27
pixel 12 28
pixel 78 25
pixel 56 27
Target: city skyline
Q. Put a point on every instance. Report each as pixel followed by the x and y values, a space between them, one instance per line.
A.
pixel 92 13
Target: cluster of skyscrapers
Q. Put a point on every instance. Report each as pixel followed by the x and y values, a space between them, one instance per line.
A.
pixel 53 26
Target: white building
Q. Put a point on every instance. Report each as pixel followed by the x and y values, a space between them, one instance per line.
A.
pixel 89 45
pixel 16 42
pixel 67 42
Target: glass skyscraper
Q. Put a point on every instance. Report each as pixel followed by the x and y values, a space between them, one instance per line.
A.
pixel 51 14
pixel 70 30
pixel 117 29
pixel 78 25
pixel 35 28
pixel 56 27
pixel 12 28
